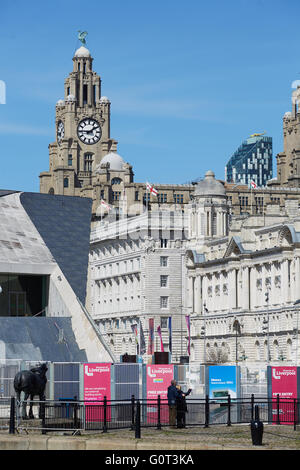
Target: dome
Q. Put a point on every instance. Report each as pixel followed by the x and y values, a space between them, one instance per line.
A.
pixel 115 161
pixel 287 115
pixel 104 99
pixel 209 186
pixel 82 52
pixel 71 98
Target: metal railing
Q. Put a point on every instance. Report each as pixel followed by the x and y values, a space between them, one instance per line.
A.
pixel 74 415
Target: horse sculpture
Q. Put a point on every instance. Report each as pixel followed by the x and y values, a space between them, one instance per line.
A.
pixel 32 382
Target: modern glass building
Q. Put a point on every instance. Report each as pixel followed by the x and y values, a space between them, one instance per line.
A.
pixel 252 161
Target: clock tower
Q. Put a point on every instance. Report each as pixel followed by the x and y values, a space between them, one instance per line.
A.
pixel 82 124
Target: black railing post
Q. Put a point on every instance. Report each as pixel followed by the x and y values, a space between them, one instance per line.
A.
pixel 138 420
pixel 76 421
pixel 278 408
pixel 206 412
pixel 43 416
pixel 105 414
pixel 12 415
pixel 229 411
pixel 132 412
pixel 252 407
pixel 158 412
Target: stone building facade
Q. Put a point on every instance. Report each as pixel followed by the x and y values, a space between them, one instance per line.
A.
pixel 242 290
pixel 137 274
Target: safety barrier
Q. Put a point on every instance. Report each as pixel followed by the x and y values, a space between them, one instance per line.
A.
pixel 76 416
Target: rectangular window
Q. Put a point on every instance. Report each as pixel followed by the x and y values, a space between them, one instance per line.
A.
pixel 85 93
pixel 70 160
pixel 116 195
pixel 164 322
pixel 163 243
pixel 164 302
pixel 88 162
pixel 162 198
pixel 164 281
pixel 178 198
pixel 164 261
pixel 136 196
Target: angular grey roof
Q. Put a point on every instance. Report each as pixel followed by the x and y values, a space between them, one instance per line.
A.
pixel 64 224
pixel 21 246
pixel 39 339
pixel 209 186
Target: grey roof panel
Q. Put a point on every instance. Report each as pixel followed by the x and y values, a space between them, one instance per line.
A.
pixel 40 339
pixel 64 224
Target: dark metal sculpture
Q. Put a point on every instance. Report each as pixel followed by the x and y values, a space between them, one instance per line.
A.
pixel 32 382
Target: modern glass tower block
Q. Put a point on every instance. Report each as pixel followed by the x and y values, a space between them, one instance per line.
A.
pixel 251 161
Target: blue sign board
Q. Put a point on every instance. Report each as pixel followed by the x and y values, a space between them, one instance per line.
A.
pixel 222 381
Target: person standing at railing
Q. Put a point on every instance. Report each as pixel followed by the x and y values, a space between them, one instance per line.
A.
pixel 181 406
pixel 172 395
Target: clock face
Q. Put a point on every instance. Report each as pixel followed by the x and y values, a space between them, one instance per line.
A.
pixel 89 131
pixel 60 131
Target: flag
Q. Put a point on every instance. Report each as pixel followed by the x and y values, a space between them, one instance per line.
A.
pixel 142 340
pixel 170 334
pixel 151 188
pixel 253 184
pixel 135 331
pixel 151 337
pixel 161 341
pixel 104 204
pixel 187 319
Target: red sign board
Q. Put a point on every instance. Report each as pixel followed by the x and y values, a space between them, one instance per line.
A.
pixel 158 380
pixel 97 377
pixel 284 384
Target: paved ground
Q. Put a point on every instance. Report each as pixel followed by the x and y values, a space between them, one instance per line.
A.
pixel 235 437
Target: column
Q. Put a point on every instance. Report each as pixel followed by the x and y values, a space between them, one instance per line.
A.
pixel 245 289
pixel 197 295
pixel 252 287
pixel 297 278
pixel 232 288
pixel 190 300
pixel 285 289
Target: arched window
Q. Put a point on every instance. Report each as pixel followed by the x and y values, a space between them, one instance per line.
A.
pixel 257 351
pixel 275 350
pixel 88 161
pixel 116 181
pixel 66 182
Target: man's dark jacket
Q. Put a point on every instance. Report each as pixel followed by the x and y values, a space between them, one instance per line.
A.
pixel 172 395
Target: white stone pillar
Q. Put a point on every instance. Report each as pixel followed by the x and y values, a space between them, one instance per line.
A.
pixel 285 288
pixel 245 289
pixel 190 303
pixel 252 288
pixel 197 294
pixel 297 278
pixel 232 288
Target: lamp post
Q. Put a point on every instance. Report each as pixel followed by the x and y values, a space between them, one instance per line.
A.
pixel 297 331
pixel 237 327
pixel 266 326
pixel 203 331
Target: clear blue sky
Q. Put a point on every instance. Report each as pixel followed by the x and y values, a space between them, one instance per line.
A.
pixel 188 81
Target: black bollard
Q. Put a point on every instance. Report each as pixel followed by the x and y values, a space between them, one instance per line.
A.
pixel 257 429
